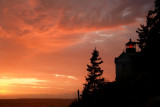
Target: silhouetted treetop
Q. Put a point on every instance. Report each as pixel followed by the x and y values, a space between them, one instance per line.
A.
pixel 94 77
pixel 149 34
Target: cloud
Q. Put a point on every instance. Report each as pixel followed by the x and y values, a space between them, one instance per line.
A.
pixel 45 26
pixel 4 91
pixel 95 14
pixel 65 76
pixel 71 15
pixel 39 87
pixel 5 81
pixel 97 41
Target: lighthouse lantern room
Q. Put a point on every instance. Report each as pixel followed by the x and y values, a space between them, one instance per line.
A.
pixel 130 47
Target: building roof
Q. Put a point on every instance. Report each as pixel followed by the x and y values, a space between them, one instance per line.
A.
pixel 128 57
pixel 131 43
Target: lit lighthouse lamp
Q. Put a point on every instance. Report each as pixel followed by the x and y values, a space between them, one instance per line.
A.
pixel 130 47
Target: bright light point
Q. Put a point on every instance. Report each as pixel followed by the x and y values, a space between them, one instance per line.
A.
pixel 130 46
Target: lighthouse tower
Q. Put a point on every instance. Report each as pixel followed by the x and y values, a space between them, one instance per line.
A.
pixel 127 63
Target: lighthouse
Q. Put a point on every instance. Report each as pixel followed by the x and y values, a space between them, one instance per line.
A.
pixel 127 63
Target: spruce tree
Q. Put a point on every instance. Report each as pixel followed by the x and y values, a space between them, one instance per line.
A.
pixel 149 39
pixel 94 78
pixel 149 34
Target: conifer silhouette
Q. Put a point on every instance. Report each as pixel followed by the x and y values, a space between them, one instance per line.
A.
pixel 149 38
pixel 149 34
pixel 94 78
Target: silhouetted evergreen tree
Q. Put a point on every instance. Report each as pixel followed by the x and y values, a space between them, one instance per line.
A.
pixel 149 42
pixel 149 39
pixel 149 33
pixel 94 78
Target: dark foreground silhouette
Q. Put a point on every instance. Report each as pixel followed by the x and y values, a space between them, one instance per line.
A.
pixel 35 102
pixel 140 90
pixel 114 94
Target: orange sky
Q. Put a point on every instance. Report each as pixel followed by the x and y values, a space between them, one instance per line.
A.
pixel 45 45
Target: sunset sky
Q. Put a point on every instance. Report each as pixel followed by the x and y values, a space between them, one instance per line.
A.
pixel 45 45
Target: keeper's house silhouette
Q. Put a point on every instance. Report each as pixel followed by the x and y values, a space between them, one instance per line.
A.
pixel 127 64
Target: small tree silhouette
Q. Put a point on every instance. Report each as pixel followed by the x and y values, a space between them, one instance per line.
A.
pixel 94 78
